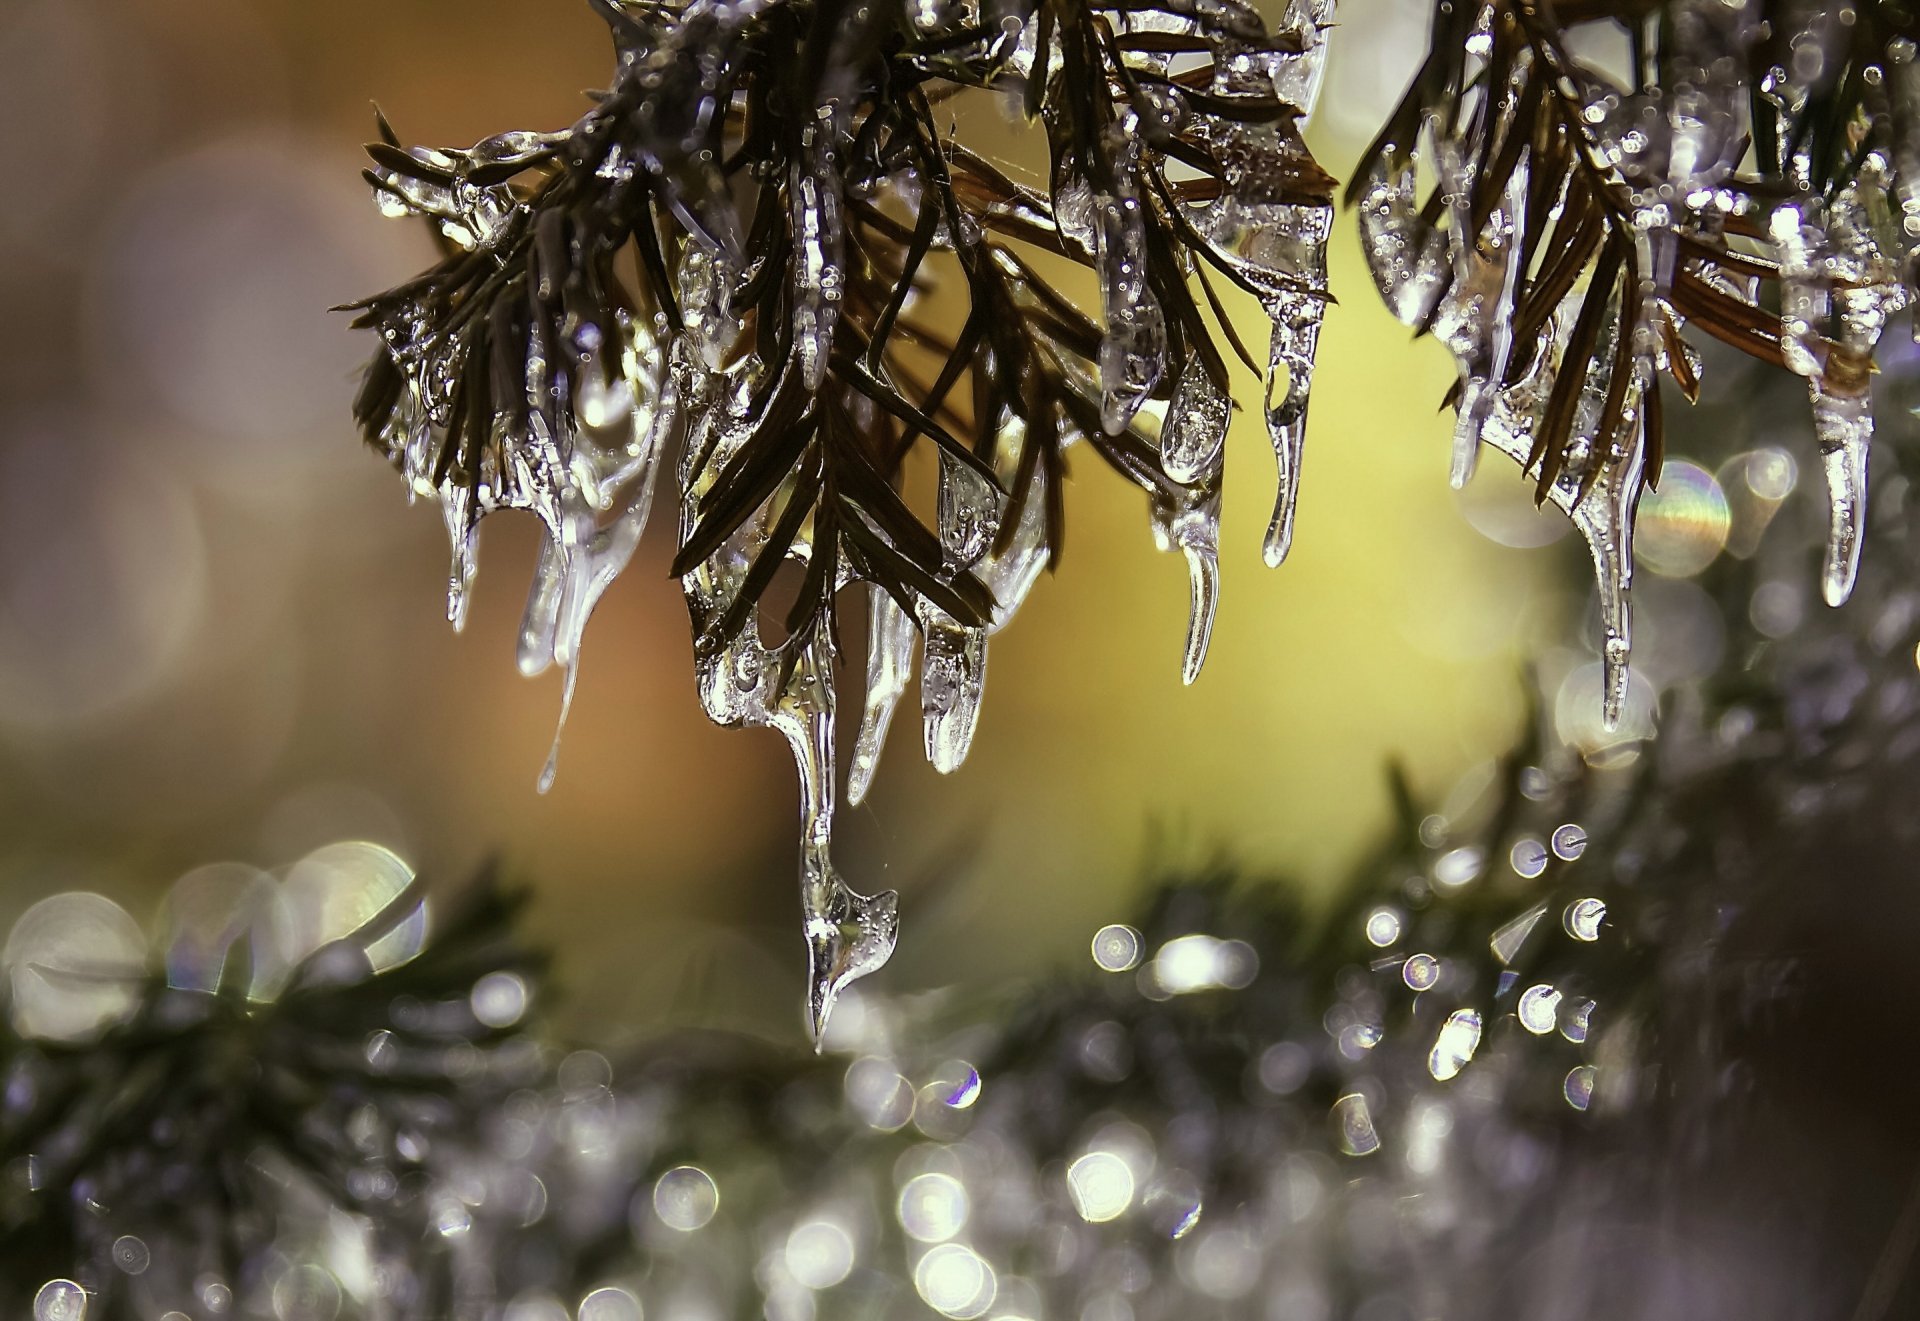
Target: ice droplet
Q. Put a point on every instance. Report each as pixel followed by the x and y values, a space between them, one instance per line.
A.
pixel 1196 425
pixel 953 676
pixel 1134 348
pixel 1406 256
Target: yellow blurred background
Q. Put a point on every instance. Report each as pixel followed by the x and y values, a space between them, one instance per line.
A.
pixel 221 626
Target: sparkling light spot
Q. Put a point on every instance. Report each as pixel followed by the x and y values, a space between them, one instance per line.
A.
pixel 955 1281
pixel 60 1300
pixel 131 1254
pixel 1569 841
pixel 1353 1124
pixel 610 1303
pixel 1529 857
pixel 1102 1186
pixel 1539 1009
pixel 1579 1086
pixel 1383 927
pixel 1454 1047
pixel 819 1254
pixel 1116 948
pixel 933 1207
pixel 1574 1026
pixel 1421 972
pixel 685 1198
pixel 1458 866
pixel 1203 963
pixel 1583 918
pixel 499 999
pixel 1683 525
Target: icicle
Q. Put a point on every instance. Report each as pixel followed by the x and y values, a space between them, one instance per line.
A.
pixel 1406 256
pixel 1133 350
pixel 1296 338
pixel 1280 246
pixel 892 639
pixel 589 554
pixel 817 240
pixel 1187 518
pixel 967 509
pixel 953 676
pixel 1844 428
pixel 1196 425
pixel 848 934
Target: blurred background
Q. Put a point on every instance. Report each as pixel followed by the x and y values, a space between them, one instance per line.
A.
pixel 221 624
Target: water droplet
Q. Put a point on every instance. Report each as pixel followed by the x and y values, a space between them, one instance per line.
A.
pixel 499 999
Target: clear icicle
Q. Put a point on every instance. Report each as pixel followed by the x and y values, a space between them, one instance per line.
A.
pixel 1844 428
pixel 892 640
pixel 1133 351
pixel 1196 425
pixel 1279 245
pixel 1187 518
pixel 848 934
pixel 1406 256
pixel 953 676
pixel 1295 341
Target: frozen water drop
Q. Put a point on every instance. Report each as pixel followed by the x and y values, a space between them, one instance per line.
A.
pixel 1575 1024
pixel 1196 425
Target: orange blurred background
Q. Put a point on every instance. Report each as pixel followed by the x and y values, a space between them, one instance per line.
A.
pixel 221 625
